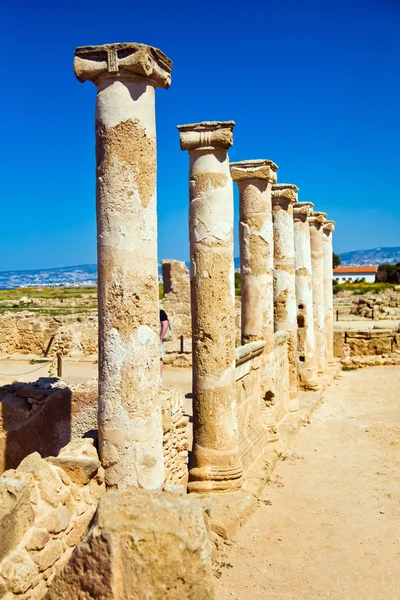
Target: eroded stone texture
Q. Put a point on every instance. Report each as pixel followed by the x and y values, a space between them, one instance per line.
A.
pixel 130 428
pixel 46 506
pixel 284 196
pixel 317 259
pixel 141 545
pixel 255 179
pixel 216 464
pixel 176 301
pixel 327 231
pixel 305 318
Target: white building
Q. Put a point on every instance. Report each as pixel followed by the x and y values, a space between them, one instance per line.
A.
pixel 343 274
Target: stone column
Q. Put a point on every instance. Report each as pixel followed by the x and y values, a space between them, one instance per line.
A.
pixel 284 196
pixel 130 431
pixel 316 222
pixel 307 368
pixel 216 463
pixel 327 230
pixel 255 179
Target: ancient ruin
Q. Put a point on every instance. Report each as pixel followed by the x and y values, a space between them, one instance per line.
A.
pixel 118 523
pixel 130 430
pixel 307 366
pixel 284 196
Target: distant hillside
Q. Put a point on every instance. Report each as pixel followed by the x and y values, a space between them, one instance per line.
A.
pixel 81 275
pixel 86 275
pixel 375 256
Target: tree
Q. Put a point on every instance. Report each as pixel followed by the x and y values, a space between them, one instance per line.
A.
pixel 336 261
pixel 388 273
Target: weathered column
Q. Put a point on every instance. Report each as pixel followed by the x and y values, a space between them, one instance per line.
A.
pixel 316 222
pixel 130 431
pixel 327 230
pixel 255 179
pixel 284 196
pixel 307 368
pixel 216 464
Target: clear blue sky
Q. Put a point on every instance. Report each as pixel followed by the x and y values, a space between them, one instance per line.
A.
pixel 312 85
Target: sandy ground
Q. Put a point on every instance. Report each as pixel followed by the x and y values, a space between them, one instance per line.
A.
pixel 328 524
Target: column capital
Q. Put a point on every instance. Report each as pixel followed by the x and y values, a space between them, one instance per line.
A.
pixel 318 217
pixel 284 191
pixel 303 209
pixel 207 135
pixel 246 170
pixel 127 59
pixel 329 226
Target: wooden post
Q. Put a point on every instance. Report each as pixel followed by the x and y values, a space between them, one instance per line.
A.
pixel 59 364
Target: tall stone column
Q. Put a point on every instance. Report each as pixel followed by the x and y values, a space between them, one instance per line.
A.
pixel 307 367
pixel 284 196
pixel 327 230
pixel 255 179
pixel 216 463
pixel 130 429
pixel 316 223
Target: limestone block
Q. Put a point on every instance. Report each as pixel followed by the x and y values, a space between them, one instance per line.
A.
pixel 79 459
pixel 19 573
pixel 142 545
pixel 16 514
pixel 57 521
pixel 37 540
pixel 48 556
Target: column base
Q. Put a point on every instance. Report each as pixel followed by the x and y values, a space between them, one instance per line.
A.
pixel 222 472
pixel 293 404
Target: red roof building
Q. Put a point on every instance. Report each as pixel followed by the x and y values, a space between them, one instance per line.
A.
pixel 343 274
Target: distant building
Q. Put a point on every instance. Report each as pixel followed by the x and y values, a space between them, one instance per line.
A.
pixel 343 274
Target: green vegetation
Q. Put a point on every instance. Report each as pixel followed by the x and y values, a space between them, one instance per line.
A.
pixel 57 293
pixel 336 260
pixel 238 284
pixel 361 287
pixel 388 273
pixel 161 291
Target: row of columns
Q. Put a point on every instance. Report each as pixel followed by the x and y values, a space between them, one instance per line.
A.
pixel 284 253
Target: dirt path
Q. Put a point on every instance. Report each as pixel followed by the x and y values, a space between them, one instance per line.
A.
pixel 328 525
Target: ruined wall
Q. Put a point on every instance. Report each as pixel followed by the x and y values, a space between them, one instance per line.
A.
pixel 46 506
pixel 175 438
pixel 45 415
pixel 176 301
pixel 30 333
pixel 385 305
pixel 281 375
pixel 367 348
pixel 253 432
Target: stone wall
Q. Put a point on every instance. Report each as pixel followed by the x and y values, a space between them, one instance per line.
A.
pixel 45 415
pixel 176 301
pixel 46 506
pixel 253 433
pixel 385 305
pixel 281 375
pixel 175 438
pixel 367 348
pixel 30 333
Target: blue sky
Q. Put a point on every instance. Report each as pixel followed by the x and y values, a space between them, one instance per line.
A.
pixel 312 85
